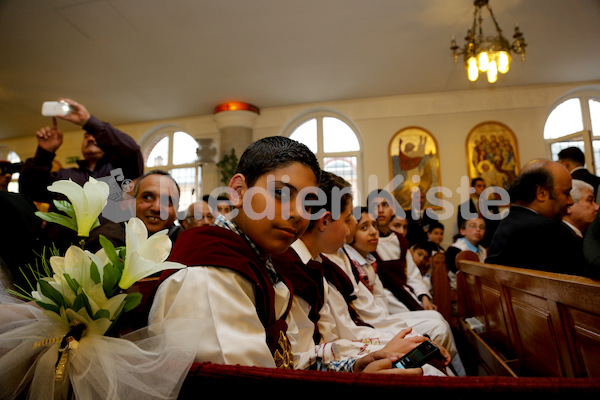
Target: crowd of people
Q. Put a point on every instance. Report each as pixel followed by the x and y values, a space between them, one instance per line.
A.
pixel 347 290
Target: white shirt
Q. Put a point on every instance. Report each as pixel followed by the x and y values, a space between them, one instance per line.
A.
pixel 388 248
pixel 341 337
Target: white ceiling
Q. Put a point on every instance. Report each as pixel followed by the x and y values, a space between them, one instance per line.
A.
pixel 142 60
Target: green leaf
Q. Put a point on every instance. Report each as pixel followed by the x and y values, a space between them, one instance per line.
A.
pixel 81 301
pixel 102 314
pixel 111 278
pixel 50 307
pixel 94 273
pixel 132 301
pixel 73 284
pixel 66 207
pixel 96 224
pixel 58 219
pixel 51 293
pixel 109 248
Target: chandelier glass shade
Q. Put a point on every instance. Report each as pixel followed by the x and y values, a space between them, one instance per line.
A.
pixel 487 54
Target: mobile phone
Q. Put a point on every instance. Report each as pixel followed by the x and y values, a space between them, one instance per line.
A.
pixel 418 356
pixel 56 109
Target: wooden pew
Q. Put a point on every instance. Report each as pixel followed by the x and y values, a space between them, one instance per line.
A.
pixel 535 323
pixel 443 295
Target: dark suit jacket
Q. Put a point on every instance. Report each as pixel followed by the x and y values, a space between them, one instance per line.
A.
pixel 591 248
pixel 526 239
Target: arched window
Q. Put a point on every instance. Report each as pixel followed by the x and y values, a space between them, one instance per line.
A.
pixel 174 151
pixel 575 121
pixel 335 141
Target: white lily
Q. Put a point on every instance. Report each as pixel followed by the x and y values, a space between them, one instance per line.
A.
pixel 87 202
pixel 98 301
pixel 100 259
pixel 144 256
pixel 76 263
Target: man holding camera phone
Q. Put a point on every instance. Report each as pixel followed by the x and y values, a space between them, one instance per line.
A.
pixel 104 149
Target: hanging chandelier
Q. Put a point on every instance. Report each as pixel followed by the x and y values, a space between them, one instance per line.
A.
pixel 489 54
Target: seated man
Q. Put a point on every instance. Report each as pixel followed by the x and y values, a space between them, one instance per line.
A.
pixel 156 200
pixel 532 234
pixel 198 214
pixel 581 214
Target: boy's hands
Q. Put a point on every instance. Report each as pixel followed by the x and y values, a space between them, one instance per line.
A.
pixel 402 344
pixel 381 362
pixel 427 304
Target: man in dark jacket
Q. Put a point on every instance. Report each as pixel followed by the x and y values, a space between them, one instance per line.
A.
pixel 574 160
pixel 532 235
pixel 104 149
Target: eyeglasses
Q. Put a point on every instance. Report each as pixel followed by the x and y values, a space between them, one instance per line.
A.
pixel 475 226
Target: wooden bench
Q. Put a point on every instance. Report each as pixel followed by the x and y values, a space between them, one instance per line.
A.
pixel 534 323
pixel 443 295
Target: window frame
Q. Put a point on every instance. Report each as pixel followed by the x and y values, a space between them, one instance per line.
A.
pixel 319 114
pixel 151 138
pixel 586 135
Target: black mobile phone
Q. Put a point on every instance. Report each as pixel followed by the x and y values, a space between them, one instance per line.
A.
pixel 418 356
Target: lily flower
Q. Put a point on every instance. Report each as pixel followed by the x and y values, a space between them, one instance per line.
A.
pixel 87 202
pixel 98 301
pixel 144 256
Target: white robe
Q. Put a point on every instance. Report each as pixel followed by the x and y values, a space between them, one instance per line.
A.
pixel 430 323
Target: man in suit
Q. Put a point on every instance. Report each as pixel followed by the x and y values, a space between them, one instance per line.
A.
pixel 574 160
pixel 532 235
pixel 584 209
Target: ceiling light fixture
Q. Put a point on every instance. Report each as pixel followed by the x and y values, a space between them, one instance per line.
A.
pixel 489 54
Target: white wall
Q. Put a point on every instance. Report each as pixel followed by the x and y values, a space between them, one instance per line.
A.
pixel 448 116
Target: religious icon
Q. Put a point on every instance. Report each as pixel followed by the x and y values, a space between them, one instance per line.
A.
pixel 492 154
pixel 414 162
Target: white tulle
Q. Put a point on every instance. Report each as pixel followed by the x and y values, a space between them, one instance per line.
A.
pixel 145 364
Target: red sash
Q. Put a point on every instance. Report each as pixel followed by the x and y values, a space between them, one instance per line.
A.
pixel 219 247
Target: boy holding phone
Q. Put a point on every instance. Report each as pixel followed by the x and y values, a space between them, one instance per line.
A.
pixel 230 285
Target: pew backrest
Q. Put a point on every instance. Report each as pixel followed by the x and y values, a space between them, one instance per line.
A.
pixel 535 323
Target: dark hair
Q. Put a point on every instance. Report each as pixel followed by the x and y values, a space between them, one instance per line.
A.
pixel 573 154
pixel 535 174
pixel 270 153
pixel 475 180
pixel 429 247
pixel 136 187
pixel 380 193
pixel 434 224
pixel 330 182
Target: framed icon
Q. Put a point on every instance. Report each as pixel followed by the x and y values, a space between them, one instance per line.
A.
pixel 492 154
pixel 414 162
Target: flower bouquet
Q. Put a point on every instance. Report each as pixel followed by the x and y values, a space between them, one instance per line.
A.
pixel 58 341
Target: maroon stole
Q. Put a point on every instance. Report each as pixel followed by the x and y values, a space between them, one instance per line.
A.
pixel 392 274
pixel 338 278
pixel 307 281
pixel 219 247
